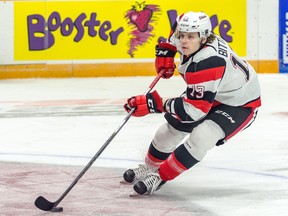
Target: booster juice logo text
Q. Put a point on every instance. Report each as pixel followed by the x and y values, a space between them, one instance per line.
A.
pixel 40 31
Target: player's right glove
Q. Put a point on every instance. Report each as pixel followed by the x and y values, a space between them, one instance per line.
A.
pixel 165 54
pixel 145 104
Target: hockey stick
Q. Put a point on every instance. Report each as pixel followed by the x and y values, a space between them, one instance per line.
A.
pixel 45 205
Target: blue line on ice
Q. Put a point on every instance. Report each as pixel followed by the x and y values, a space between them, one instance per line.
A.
pixel 138 161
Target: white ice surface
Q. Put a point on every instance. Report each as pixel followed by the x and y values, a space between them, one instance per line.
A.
pixel 66 121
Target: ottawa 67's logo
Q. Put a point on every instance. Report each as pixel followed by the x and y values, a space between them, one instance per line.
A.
pixel 141 18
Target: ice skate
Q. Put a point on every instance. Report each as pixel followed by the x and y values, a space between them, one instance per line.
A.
pixel 133 175
pixel 148 185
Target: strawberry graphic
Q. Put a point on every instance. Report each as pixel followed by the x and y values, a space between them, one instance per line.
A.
pixel 140 19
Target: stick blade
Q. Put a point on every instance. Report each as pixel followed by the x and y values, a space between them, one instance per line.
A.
pixel 43 204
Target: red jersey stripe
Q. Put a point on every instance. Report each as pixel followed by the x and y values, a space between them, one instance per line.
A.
pixel 205 75
pixel 202 105
pixel 255 103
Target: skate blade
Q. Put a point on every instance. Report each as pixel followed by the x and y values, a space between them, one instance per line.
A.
pixel 135 194
pixel 125 183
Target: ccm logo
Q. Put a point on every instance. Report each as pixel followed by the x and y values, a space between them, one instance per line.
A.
pixel 226 115
pixel 150 105
pixel 161 52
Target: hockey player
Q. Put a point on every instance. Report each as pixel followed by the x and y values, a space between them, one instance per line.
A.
pixel 221 99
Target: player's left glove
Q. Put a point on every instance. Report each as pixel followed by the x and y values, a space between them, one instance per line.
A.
pixel 145 104
pixel 164 60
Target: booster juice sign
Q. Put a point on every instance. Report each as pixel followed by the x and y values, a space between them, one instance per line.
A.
pixel 64 30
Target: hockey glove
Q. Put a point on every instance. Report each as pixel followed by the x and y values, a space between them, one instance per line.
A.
pixel 145 104
pixel 165 54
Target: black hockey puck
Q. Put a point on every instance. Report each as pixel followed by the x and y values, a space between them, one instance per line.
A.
pixel 57 209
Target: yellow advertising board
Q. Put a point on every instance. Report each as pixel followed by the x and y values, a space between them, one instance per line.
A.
pixel 83 30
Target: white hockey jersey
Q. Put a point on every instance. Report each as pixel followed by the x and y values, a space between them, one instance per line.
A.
pixel 214 75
